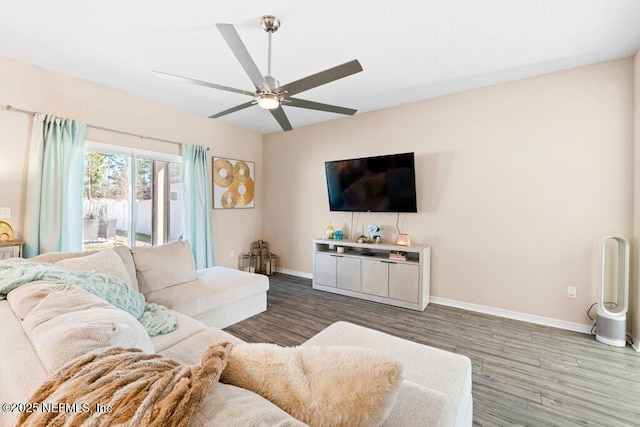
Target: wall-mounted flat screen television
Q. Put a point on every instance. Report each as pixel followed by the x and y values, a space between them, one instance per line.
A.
pixel 372 184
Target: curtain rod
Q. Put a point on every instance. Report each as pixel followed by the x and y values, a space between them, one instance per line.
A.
pixel 19 110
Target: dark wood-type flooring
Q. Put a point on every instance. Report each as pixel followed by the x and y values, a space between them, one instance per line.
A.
pixel 523 374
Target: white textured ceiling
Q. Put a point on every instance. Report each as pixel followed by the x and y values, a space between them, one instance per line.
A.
pixel 410 50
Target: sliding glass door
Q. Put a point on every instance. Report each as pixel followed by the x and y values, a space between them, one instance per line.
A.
pixel 131 199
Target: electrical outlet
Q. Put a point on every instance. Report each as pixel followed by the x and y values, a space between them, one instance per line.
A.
pixel 5 213
pixel 571 291
pixel 232 253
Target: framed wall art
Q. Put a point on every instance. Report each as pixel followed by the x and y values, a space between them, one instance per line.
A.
pixel 233 184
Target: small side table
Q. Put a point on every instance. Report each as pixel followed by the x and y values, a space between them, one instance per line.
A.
pixel 11 249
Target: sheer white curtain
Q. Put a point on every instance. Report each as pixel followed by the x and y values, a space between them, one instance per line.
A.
pixel 196 199
pixel 55 186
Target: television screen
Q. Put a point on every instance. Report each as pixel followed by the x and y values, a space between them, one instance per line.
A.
pixel 372 184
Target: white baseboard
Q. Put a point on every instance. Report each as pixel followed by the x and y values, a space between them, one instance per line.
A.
pixel 515 315
pixel 295 273
pixel 635 343
pixel 539 320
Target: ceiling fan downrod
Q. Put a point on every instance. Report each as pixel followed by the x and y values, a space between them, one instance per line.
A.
pixel 270 24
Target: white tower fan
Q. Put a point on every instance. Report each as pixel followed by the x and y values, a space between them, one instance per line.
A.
pixel 613 298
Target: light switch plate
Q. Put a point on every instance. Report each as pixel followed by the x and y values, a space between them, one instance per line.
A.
pixel 5 213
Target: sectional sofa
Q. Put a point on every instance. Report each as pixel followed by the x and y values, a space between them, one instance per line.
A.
pixel 48 325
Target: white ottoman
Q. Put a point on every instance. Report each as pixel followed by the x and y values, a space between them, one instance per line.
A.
pixel 437 387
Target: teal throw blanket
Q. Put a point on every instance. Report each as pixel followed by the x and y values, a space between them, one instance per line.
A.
pixel 155 318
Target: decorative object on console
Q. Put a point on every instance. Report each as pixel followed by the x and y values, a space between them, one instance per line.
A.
pixel 399 255
pixel 233 183
pixel 375 232
pixel 362 238
pixel 338 235
pixel 403 240
pixel 330 232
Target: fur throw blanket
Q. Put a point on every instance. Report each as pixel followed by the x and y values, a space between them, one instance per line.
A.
pixel 320 386
pixel 115 386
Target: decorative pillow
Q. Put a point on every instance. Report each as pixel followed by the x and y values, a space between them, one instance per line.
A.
pixel 127 259
pixel 139 389
pixel 103 262
pixel 321 386
pixel 64 322
pixel 53 257
pixel 159 267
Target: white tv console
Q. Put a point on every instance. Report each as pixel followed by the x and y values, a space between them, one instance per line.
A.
pixel 403 283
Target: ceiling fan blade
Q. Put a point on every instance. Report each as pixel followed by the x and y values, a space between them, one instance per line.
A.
pixel 323 77
pixel 233 110
pixel 242 54
pixel 311 105
pixel 199 83
pixel 281 117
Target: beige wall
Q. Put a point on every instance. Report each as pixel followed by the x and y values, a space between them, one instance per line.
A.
pixel 517 182
pixel 516 185
pixel 35 89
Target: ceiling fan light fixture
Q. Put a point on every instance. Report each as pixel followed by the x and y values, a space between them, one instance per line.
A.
pixel 268 101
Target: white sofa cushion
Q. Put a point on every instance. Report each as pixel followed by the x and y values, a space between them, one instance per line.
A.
pixel 213 287
pixel 104 262
pixel 127 259
pixel 187 327
pixel 158 267
pixel 69 321
pixel 21 370
pixel 420 406
pixel 231 406
pixel 188 351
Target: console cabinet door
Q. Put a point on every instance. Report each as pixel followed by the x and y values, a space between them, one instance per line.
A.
pixel 349 273
pixel 325 273
pixel 375 277
pixel 404 282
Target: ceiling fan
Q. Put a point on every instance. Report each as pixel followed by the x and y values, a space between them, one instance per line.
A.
pixel 269 94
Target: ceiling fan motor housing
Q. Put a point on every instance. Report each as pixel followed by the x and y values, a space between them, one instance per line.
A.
pixel 272 82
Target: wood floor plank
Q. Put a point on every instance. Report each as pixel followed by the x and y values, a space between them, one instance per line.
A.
pixel 503 385
pixel 523 374
pixel 605 412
